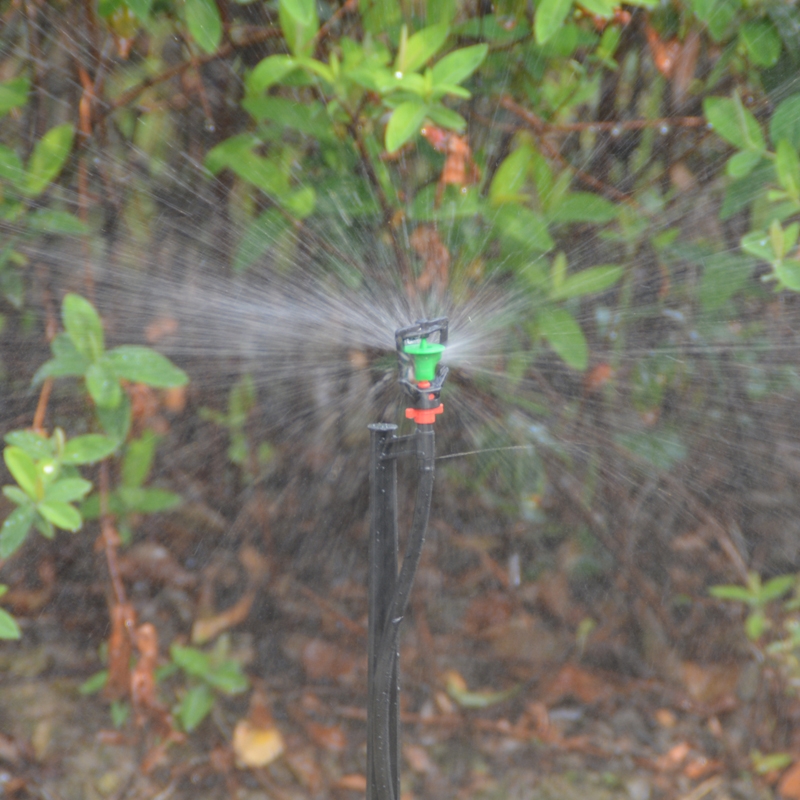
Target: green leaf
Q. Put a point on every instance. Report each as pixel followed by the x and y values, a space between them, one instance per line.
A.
pixel 67 362
pixel 15 528
pixel 88 449
pixel 565 336
pixel 83 325
pixel 510 178
pixel 761 41
pixel 776 587
pixel 46 220
pixel 23 469
pixel 521 226
pixel 588 281
pixel 260 236
pixel 743 163
pixel 739 594
pixel 788 273
pixel 270 71
pixel 459 65
pixel 204 23
pixel 446 118
pixel 228 678
pixel 550 15
pixel 148 501
pixel 8 626
pixel 420 48
pixel 94 684
pixel 724 274
pixel 300 203
pixel 758 244
pixel 13 94
pixel 734 123
pixel 11 168
pixel 787 167
pixel 103 385
pixel 785 122
pixel 195 706
pixel 191 660
pixel 229 152
pixel 48 158
pixel 116 422
pixel 67 490
pixel 405 122
pixel 141 8
pixel 138 459
pixel 16 495
pixel 585 207
pixel 61 514
pixel 143 365
pixel 755 625
pixel 299 23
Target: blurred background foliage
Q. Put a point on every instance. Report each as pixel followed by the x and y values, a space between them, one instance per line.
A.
pixel 627 174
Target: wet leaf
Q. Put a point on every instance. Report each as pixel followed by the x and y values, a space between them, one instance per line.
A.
pixel 420 48
pixel 84 327
pixel 48 158
pixel 34 444
pixel 588 281
pixel 195 706
pixel 734 123
pixel 785 122
pixel 13 94
pixel 14 530
pixel 60 514
pixel 22 469
pixel 254 746
pixel 565 336
pixel 143 365
pixel 94 684
pixel 550 15
pixel 405 122
pixel 204 630
pixel 269 71
pixel 204 23
pixel 761 41
pixel 228 678
pixel 9 629
pixel 459 65
pixel 67 490
pixel 88 449
pixel 103 385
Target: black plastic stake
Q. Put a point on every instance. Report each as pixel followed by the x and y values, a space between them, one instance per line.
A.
pixel 382 585
pixel 389 591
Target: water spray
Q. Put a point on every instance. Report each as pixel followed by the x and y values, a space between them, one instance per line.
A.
pixel 419 350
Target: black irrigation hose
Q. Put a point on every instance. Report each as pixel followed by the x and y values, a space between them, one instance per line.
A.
pixel 386 663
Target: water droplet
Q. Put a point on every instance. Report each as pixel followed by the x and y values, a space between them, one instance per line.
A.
pixel 210 126
pixel 616 131
pixel 463 190
pixel 48 469
pixel 763 242
pixel 709 126
pixel 592 129
pixel 664 130
pixel 398 75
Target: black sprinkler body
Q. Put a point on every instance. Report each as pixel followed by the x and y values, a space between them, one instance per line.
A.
pixel 419 348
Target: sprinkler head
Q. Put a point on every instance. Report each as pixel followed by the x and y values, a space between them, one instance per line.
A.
pixel 423 344
pixel 426 357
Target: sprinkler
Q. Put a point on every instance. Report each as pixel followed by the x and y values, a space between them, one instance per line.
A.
pixel 419 349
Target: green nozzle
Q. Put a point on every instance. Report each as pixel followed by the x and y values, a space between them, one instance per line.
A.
pixel 426 358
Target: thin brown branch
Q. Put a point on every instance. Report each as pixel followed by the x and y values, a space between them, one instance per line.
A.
pixel 257 37
pixel 539 128
pixel 110 537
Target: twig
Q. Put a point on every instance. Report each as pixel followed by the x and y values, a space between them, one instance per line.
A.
pixel 540 129
pixel 328 608
pixel 110 537
pixel 259 36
